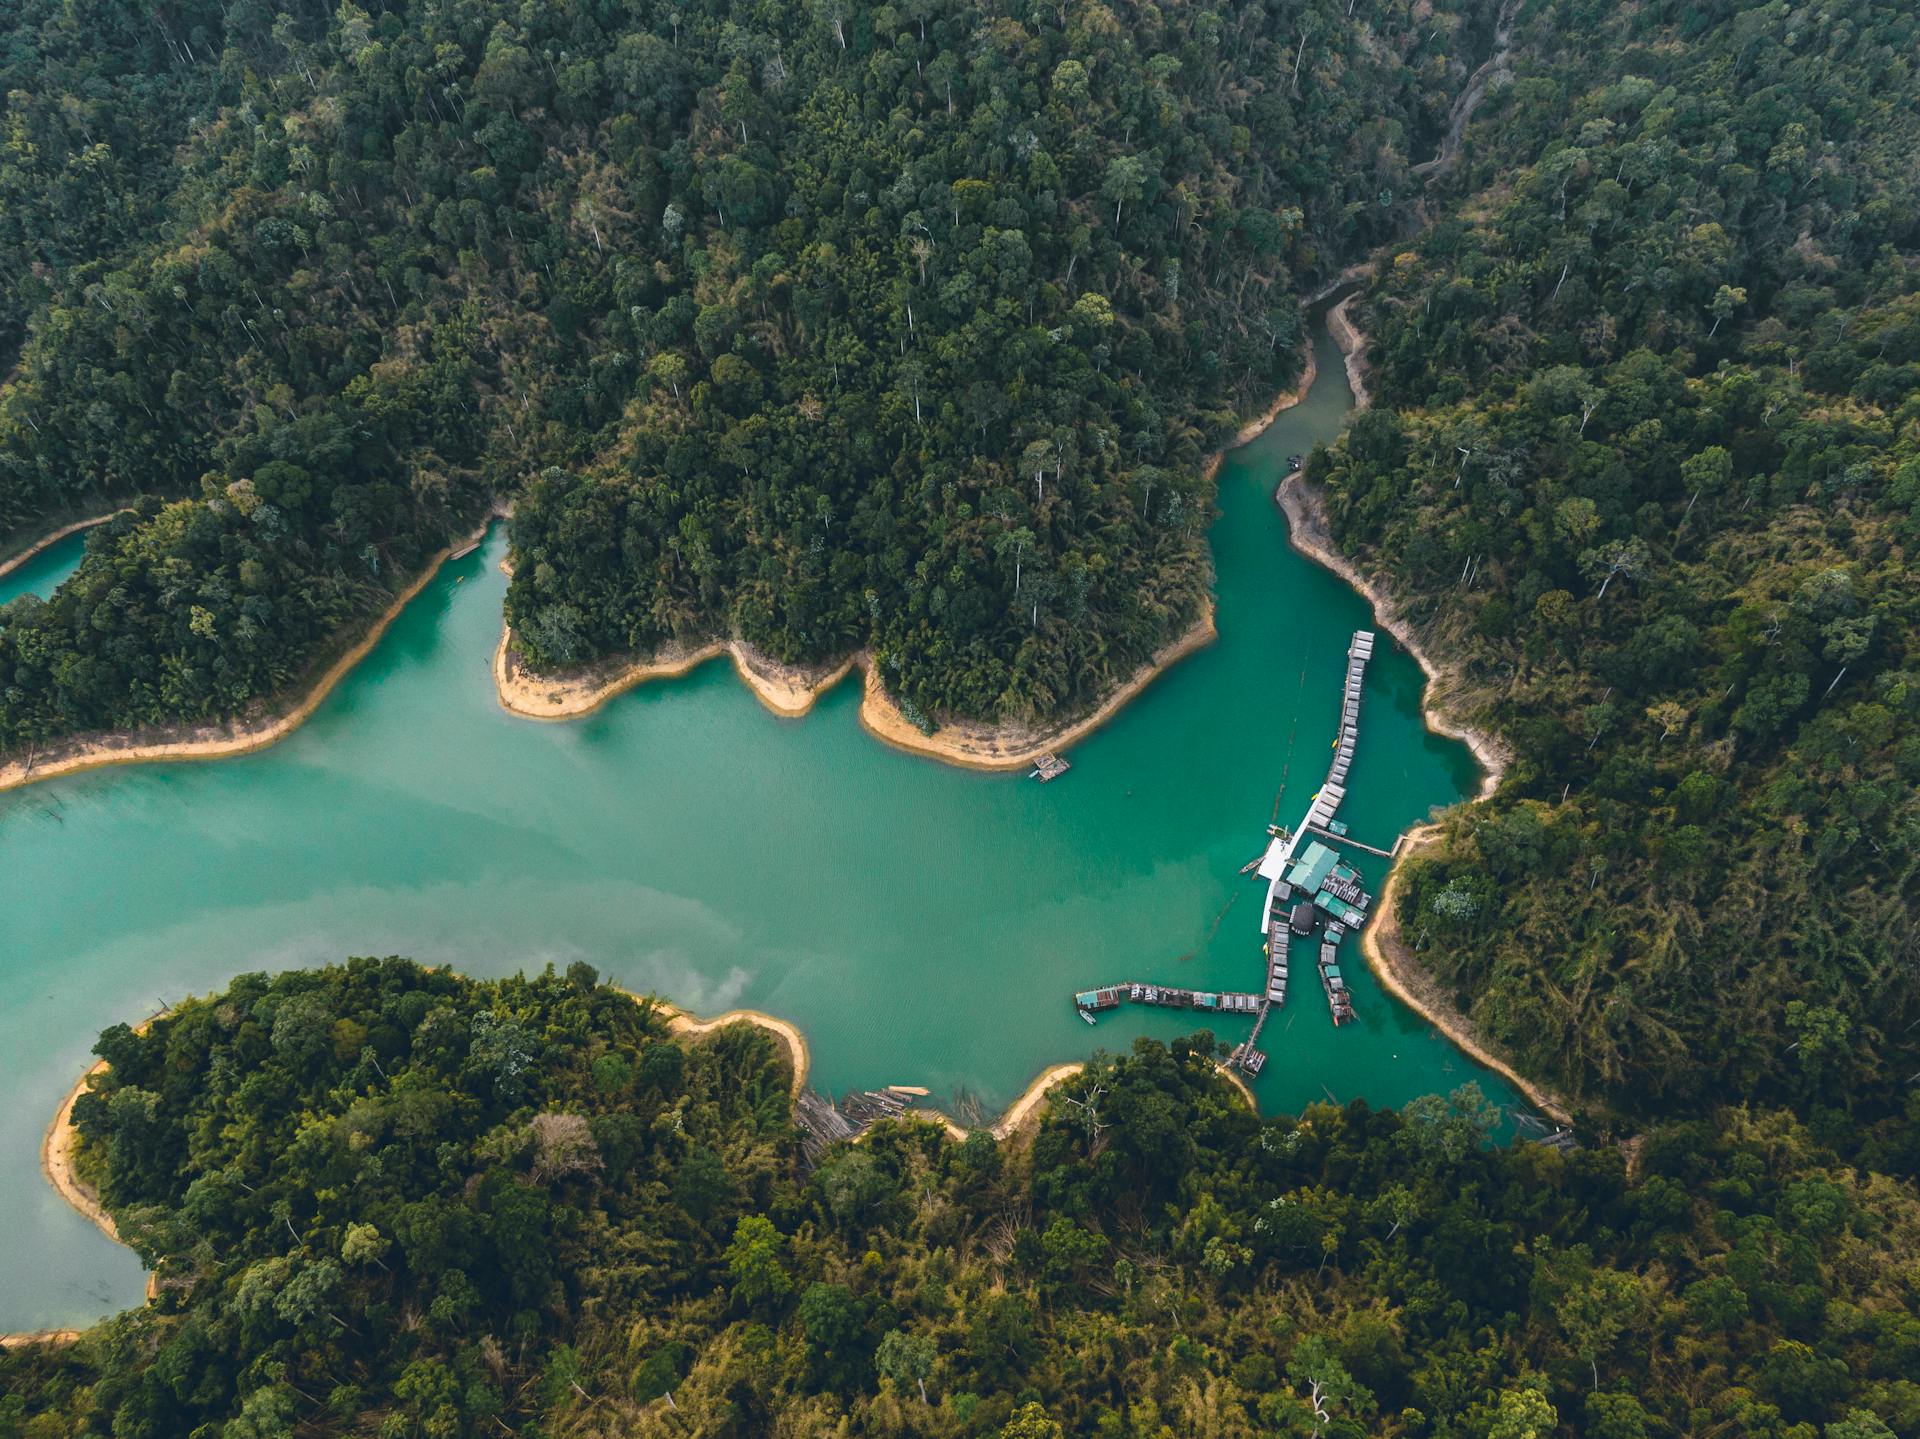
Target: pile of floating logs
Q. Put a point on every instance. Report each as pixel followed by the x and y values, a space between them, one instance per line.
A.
pixel 824 1123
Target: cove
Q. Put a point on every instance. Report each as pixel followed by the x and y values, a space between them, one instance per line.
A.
pixel 921 924
pixel 43 573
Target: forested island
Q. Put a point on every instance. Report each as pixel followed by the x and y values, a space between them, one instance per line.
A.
pixel 908 330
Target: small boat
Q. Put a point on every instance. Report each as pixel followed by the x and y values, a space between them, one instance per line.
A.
pixel 1251 865
pixel 1088 1017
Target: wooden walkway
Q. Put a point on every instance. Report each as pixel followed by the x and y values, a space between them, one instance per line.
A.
pixel 1348 839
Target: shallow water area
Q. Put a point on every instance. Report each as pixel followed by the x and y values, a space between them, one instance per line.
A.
pixel 922 924
pixel 43 574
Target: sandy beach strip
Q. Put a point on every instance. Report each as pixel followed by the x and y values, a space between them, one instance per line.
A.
pixel 1395 965
pixel 790 691
pixel 679 1021
pixel 212 741
pixel 787 690
pixel 47 542
pixel 971 745
pixel 57 1153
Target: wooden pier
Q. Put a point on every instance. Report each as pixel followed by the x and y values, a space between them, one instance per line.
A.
pixel 1166 996
pixel 1338 837
pixel 1317 885
pixel 1049 767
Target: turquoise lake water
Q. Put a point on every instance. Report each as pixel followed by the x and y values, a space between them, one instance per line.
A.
pixel 922 924
pixel 42 574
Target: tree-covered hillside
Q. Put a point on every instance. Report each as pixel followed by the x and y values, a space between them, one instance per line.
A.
pixel 827 325
pixel 391 1201
pixel 1646 457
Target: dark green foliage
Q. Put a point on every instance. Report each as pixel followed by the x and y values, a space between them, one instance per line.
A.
pixel 944 309
pixel 356 1235
pixel 907 328
pixel 1645 460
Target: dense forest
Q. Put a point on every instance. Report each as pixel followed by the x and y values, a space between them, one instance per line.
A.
pixel 826 326
pixel 1646 458
pixel 908 326
pixel 386 1200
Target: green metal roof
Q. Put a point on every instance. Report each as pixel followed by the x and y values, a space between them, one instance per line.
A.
pixel 1313 865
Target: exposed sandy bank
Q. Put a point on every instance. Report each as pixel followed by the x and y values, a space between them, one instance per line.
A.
pixel 38 1336
pixel 1257 426
pixel 1015 747
pixel 787 690
pixel 1402 975
pixel 1353 349
pixel 208 741
pixel 59 1148
pixel 46 542
pixel 1029 1106
pixel 1307 529
pixel 791 691
pixel 680 1022
pixel 1398 969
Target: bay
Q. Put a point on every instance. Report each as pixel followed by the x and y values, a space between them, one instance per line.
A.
pixel 922 924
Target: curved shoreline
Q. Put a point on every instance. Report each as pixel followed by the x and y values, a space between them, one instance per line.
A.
pixel 57 1149
pixel 57 1146
pixel 790 691
pixel 47 542
pixel 1393 964
pixel 680 1021
pixel 787 690
pixel 1403 976
pixel 213 741
pixel 1353 350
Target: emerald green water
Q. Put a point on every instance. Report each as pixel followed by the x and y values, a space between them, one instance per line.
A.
pixel 922 924
pixel 42 574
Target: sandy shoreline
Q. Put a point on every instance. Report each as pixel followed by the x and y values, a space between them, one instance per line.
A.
pixel 1396 967
pixel 212 741
pixel 679 1021
pixel 1307 530
pixel 47 542
pixel 57 1151
pixel 1353 349
pixel 790 691
pixel 1403 976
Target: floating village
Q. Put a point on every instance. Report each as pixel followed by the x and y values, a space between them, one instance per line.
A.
pixel 1314 900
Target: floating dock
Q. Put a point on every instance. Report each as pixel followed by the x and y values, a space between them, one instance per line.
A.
pixel 1309 888
pixel 1165 996
pixel 1049 767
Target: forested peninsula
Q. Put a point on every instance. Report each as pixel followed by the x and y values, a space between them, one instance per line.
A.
pixel 388 1200
pixel 815 327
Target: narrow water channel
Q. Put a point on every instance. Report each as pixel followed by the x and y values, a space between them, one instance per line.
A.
pixel 42 574
pixel 922 924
